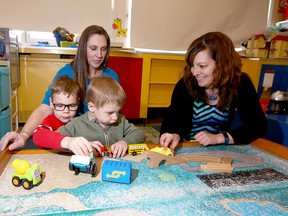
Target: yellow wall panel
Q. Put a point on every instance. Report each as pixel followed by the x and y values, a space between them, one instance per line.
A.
pixel 160 95
pixel 36 75
pixel 166 71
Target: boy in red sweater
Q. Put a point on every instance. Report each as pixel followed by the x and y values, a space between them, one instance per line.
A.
pixel 64 102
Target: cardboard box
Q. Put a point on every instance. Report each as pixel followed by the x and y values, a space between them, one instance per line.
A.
pixel 258 53
pixel 279 42
pixel 278 53
pixel 259 42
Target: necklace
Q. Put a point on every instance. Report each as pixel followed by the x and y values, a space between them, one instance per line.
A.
pixel 212 94
pixel 212 97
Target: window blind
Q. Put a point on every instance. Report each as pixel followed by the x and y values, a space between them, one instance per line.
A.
pixel 75 16
pixel 173 25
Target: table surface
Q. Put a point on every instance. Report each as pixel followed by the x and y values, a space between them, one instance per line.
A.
pixel 263 144
pixel 151 190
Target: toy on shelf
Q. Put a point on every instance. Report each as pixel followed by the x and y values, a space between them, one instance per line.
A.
pixel 135 149
pixel 83 164
pixel 63 35
pixel 161 150
pixel 116 171
pixel 26 175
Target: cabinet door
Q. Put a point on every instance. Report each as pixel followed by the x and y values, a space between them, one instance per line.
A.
pixel 129 71
pixel 5 121
pixel 4 87
pixel 252 68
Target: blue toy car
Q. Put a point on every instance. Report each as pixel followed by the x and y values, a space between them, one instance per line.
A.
pixel 83 164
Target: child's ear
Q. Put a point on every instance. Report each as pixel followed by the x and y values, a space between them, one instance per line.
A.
pixel 91 107
pixel 51 103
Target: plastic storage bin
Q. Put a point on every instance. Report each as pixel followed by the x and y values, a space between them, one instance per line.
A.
pixel 1 47
pixel 4 87
pixel 277 128
pixel 5 121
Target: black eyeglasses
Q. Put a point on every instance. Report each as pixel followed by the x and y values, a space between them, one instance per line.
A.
pixel 61 107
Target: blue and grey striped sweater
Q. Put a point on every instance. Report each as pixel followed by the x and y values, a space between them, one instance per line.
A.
pixel 207 118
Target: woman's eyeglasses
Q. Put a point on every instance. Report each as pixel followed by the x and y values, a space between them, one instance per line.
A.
pixel 61 107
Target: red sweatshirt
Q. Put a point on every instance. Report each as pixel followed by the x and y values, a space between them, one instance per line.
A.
pixel 45 136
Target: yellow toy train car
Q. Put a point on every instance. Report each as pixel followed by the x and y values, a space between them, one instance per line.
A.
pixel 135 149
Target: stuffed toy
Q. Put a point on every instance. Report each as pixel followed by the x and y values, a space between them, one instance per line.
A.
pixel 62 34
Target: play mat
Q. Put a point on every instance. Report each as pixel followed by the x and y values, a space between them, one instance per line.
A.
pixel 167 190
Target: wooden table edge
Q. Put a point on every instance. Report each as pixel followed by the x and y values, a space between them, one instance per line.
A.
pixel 271 147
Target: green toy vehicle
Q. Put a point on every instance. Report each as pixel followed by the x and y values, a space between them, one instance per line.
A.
pixel 26 175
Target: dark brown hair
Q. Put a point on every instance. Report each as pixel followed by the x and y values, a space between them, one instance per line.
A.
pixel 80 64
pixel 228 68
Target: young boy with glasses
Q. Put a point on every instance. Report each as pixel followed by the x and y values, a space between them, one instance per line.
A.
pixel 64 102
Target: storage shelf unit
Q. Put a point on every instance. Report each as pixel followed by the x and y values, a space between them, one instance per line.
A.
pixel 5 110
pixel 253 67
pixel 9 59
pixel 14 109
pixel 38 70
pixel 160 75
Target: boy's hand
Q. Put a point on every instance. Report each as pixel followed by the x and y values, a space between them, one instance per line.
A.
pixel 119 149
pixel 78 145
pixel 97 145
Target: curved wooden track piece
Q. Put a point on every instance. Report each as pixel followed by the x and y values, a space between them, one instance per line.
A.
pixel 223 164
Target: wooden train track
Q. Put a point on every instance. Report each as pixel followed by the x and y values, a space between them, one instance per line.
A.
pixel 224 164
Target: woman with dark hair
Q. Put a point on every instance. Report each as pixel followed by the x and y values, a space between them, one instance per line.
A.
pixel 90 61
pixel 212 90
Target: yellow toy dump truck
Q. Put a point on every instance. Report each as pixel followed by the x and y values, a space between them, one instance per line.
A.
pixel 26 175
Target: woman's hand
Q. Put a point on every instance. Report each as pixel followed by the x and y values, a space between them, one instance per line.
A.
pixel 206 139
pixel 119 149
pixel 167 139
pixel 78 145
pixel 16 140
